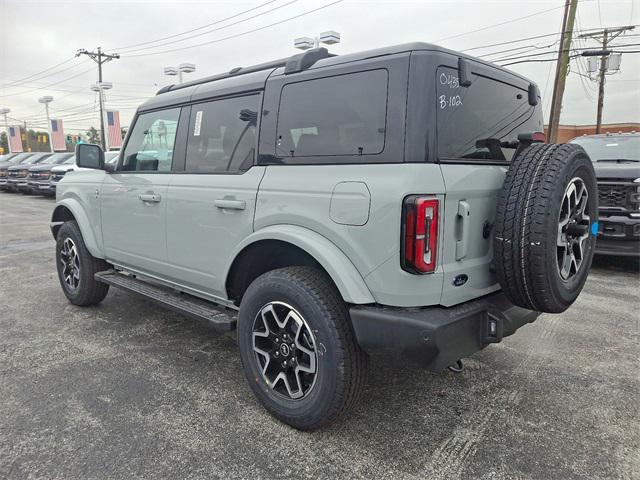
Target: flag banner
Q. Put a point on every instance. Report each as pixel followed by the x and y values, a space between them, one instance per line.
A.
pixel 114 133
pixel 57 136
pixel 15 142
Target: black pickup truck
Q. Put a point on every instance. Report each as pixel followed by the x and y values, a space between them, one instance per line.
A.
pixel 616 159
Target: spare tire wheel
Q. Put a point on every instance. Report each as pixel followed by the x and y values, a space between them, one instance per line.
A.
pixel 546 226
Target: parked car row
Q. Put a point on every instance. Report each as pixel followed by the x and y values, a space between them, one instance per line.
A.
pixel 38 172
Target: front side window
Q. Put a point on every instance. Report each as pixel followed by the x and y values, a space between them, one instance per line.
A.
pixel 475 122
pixel 150 145
pixel 340 115
pixel 222 135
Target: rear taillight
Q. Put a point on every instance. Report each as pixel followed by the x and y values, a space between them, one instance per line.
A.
pixel 419 234
pixel 539 137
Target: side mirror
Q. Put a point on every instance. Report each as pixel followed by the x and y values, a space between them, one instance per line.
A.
pixel 89 156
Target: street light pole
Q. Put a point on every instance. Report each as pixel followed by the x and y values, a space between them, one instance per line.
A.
pixel 4 112
pixel 329 37
pixel 182 68
pixel 47 100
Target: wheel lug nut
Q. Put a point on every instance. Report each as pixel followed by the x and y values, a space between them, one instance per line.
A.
pixel 277 354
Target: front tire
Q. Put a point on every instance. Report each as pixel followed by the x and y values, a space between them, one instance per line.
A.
pixel 76 267
pixel 298 349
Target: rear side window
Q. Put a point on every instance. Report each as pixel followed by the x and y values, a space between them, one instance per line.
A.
pixel 474 120
pixel 150 145
pixel 222 135
pixel 340 115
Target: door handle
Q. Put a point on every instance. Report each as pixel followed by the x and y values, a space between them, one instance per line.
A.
pixel 463 215
pixel 150 197
pixel 230 204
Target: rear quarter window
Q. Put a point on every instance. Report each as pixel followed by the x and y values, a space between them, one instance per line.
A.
pixel 342 115
pixel 472 120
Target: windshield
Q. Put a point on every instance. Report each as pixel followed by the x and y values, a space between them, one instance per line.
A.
pixel 20 157
pixel 70 161
pixel 36 158
pixel 612 147
pixel 58 158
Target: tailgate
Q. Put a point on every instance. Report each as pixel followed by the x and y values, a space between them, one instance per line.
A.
pixel 469 214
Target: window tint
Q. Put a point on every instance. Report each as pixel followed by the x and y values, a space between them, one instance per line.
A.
pixel 341 115
pixel 150 145
pixel 474 120
pixel 222 135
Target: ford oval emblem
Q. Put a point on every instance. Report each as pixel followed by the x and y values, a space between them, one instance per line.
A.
pixel 460 280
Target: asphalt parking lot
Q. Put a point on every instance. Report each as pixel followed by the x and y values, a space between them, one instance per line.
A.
pixel 127 389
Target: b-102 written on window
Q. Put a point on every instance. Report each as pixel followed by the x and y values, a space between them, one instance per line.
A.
pixel 343 115
pixel 477 122
pixel 150 145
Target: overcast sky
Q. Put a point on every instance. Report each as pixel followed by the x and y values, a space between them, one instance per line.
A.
pixel 36 35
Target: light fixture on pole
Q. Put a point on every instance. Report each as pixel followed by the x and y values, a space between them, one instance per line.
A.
pixel 329 37
pixel 3 112
pixel 46 100
pixel 100 87
pixel 182 68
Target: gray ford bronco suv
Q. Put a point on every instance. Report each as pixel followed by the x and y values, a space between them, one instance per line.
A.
pixel 398 201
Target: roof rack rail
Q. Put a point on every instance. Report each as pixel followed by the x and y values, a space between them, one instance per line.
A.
pixel 293 64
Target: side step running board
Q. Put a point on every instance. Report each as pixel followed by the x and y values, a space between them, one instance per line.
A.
pixel 214 316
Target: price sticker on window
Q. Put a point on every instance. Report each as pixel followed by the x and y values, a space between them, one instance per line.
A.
pixel 198 124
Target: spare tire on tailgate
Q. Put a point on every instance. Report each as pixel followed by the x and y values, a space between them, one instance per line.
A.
pixel 545 227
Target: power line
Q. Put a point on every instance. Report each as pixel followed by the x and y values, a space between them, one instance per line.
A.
pixel 498 24
pixel 237 34
pixel 43 71
pixel 214 29
pixel 47 86
pixel 126 47
pixel 576 49
pixel 535 37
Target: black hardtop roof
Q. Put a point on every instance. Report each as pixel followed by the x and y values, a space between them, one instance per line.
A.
pixel 253 77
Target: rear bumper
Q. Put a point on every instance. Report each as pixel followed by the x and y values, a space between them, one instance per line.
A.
pixel 435 337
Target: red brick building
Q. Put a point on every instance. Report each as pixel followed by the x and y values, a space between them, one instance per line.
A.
pixel 567 132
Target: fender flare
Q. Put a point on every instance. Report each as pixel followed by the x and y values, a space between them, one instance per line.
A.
pixel 82 219
pixel 344 274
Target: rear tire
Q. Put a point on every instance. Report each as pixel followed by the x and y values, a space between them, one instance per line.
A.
pixel 76 267
pixel 328 381
pixel 543 244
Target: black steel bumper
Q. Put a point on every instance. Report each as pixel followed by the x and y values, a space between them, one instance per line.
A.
pixel 435 337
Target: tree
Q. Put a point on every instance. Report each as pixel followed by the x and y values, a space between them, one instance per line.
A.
pixel 93 135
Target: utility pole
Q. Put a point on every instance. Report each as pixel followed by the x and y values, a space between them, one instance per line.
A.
pixel 99 57
pixel 568 21
pixel 604 37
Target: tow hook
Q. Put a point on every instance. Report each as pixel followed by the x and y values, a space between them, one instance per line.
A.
pixel 458 367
